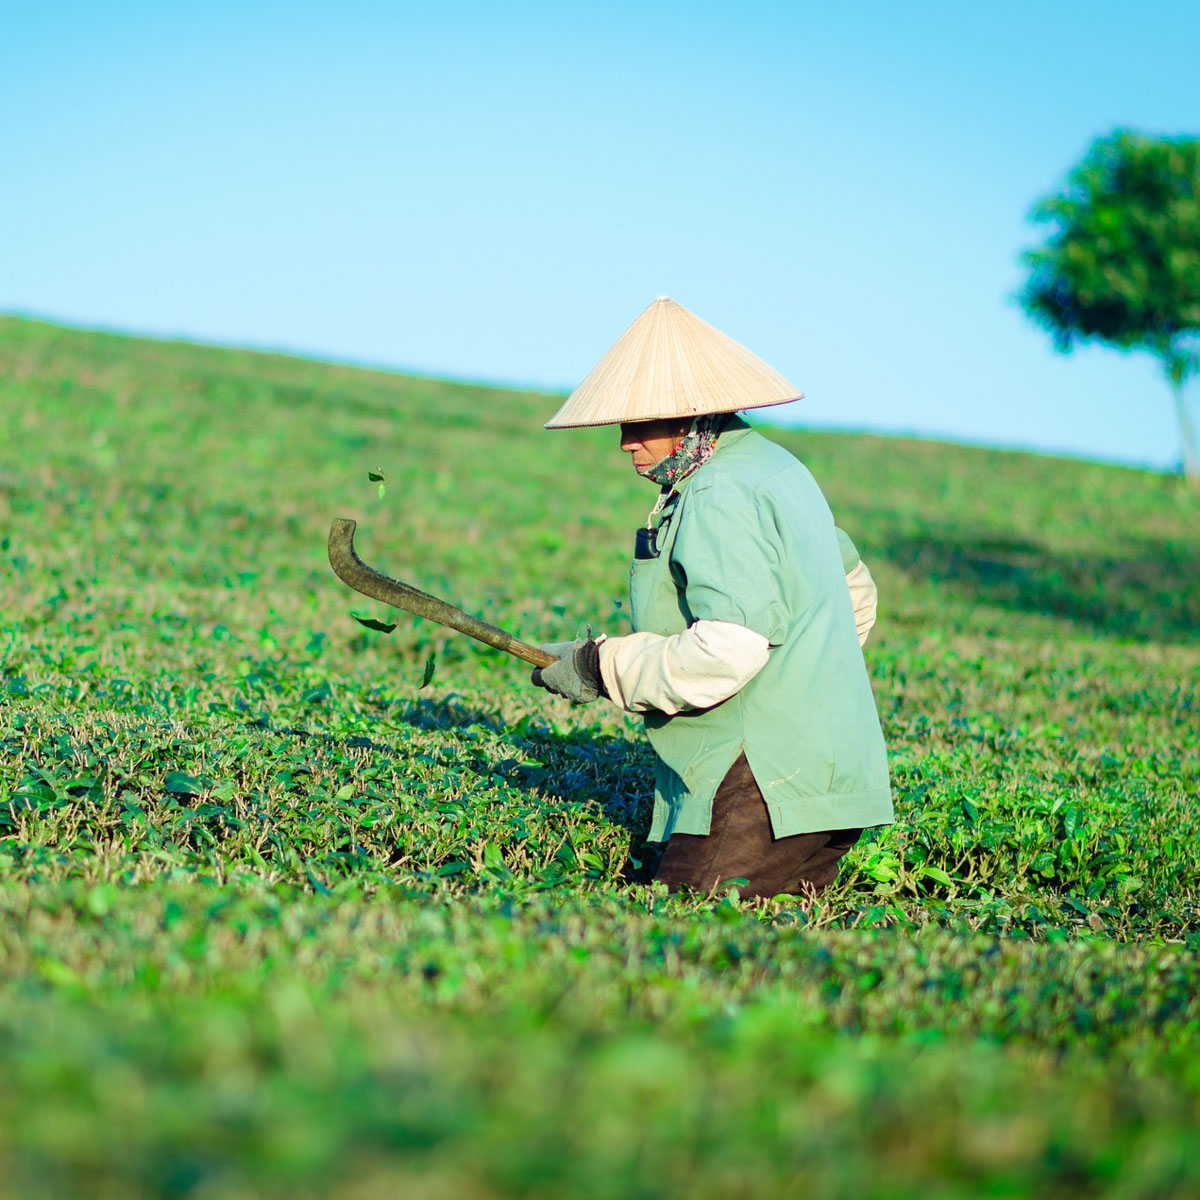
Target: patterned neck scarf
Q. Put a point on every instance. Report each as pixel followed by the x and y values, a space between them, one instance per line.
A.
pixel 693 452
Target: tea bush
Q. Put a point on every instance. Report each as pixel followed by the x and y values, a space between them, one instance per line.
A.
pixel 281 920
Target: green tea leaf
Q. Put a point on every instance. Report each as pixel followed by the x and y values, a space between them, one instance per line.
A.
pixel 372 623
pixel 430 667
pixel 182 784
pixel 937 875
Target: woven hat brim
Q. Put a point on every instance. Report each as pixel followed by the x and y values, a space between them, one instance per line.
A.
pixel 556 422
pixel 669 364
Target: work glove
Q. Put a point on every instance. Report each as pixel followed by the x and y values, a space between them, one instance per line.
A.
pixel 576 675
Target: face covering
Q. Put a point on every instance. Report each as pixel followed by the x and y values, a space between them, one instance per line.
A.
pixel 693 452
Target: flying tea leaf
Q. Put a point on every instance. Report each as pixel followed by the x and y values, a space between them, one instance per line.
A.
pixel 372 623
pixel 430 667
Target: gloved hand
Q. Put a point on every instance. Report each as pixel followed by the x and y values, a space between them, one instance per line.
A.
pixel 576 675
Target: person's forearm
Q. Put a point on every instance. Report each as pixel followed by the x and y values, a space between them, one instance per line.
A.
pixel 864 597
pixel 698 668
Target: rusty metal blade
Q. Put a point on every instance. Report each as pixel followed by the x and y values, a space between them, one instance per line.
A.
pixel 351 569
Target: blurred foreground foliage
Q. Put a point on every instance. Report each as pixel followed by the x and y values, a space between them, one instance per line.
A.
pixel 276 921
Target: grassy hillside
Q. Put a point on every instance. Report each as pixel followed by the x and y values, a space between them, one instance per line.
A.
pixel 279 921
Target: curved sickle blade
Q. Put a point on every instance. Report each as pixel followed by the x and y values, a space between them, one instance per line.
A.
pixel 351 569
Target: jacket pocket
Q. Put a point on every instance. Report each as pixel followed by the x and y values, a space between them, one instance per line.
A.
pixel 654 602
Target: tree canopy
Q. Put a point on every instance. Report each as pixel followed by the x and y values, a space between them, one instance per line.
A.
pixel 1122 265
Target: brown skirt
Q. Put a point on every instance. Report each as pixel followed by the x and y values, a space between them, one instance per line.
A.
pixel 740 845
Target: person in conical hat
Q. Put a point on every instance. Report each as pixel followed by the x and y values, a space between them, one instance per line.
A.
pixel 749 609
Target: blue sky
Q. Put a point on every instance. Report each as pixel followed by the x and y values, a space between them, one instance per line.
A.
pixel 495 191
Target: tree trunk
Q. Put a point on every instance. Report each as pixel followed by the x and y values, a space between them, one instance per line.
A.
pixel 1191 467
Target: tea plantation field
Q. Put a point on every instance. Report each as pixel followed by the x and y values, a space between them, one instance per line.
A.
pixel 279 921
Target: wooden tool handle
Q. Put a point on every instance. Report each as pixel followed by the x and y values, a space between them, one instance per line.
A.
pixel 351 569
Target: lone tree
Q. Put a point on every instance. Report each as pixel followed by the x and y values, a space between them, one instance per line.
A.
pixel 1122 265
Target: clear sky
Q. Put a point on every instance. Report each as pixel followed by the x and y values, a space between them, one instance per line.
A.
pixel 495 190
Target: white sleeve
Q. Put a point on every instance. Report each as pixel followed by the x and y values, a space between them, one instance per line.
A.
pixel 864 597
pixel 707 663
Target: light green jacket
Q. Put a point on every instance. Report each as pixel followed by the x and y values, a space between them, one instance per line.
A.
pixel 750 539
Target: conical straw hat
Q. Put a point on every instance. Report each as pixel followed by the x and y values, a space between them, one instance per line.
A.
pixel 667 364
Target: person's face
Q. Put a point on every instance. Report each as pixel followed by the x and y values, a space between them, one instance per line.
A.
pixel 649 442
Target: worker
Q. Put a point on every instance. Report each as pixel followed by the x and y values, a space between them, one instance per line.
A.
pixel 748 607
